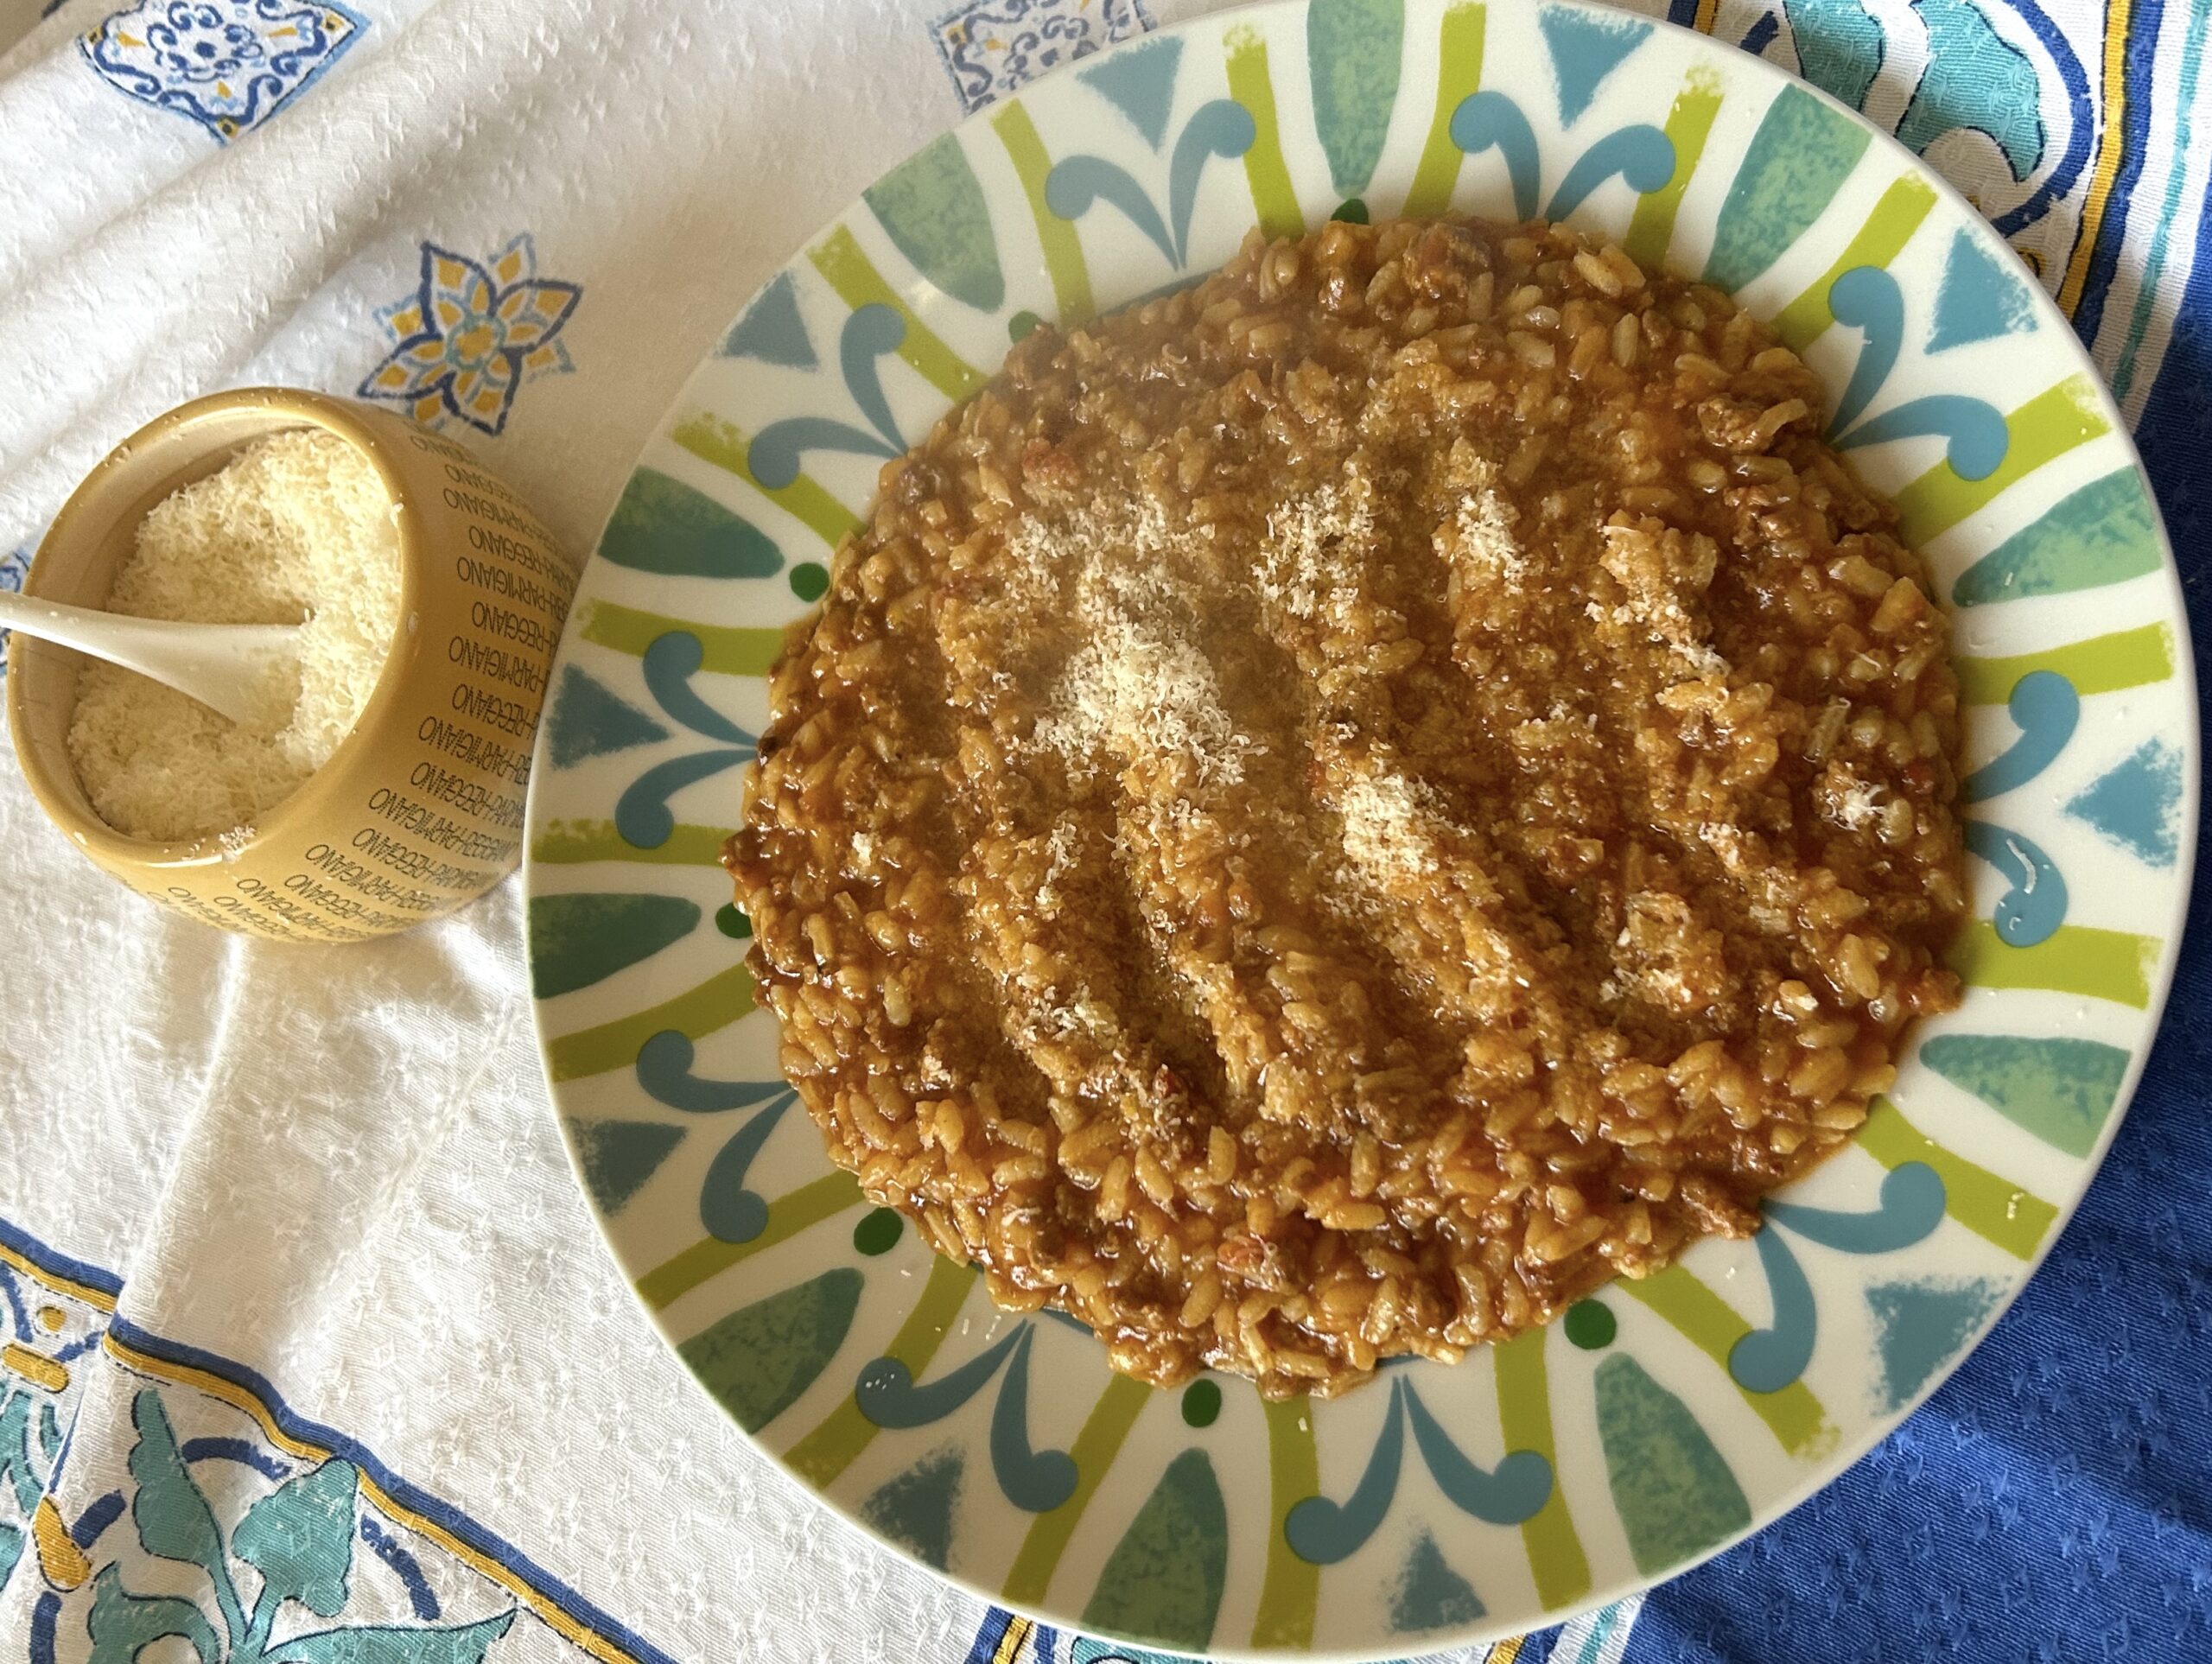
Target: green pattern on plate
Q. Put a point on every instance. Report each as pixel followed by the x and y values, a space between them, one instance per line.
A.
pixel 757 1360
pixel 915 1510
pixel 1163 1580
pixel 934 210
pixel 577 939
pixel 661 524
pixel 2059 1089
pixel 1676 1496
pixel 1803 151
pixel 1352 53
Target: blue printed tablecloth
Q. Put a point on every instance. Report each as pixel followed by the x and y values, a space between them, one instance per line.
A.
pixel 303 1328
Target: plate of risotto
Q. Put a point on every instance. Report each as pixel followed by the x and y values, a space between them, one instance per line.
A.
pixel 1299 879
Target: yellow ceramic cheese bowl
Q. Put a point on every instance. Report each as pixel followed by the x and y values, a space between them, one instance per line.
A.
pixel 420 809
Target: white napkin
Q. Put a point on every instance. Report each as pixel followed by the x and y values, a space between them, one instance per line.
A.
pixel 335 1171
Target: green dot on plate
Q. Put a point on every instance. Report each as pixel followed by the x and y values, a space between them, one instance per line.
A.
pixel 1020 324
pixel 730 922
pixel 1353 211
pixel 1201 1403
pixel 878 1233
pixel 809 580
pixel 1591 1324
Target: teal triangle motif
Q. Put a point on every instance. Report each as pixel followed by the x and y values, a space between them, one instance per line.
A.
pixel 915 1510
pixel 1922 1325
pixel 1671 1485
pixel 585 937
pixel 1430 1594
pixel 2058 1088
pixel 1140 84
pixel 2138 804
pixel 618 1157
pixel 759 1359
pixel 1585 50
pixel 661 524
pixel 772 330
pixel 1980 298
pixel 589 720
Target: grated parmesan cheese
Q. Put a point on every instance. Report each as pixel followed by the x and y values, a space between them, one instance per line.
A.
pixel 1311 537
pixel 1850 802
pixel 1384 815
pixel 1480 544
pixel 296 529
pixel 1139 686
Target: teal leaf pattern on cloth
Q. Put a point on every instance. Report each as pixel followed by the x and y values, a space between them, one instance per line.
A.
pixel 1976 79
pixel 172 1516
pixel 122 1624
pixel 464 1643
pixel 1840 45
pixel 17 1469
pixel 299 1538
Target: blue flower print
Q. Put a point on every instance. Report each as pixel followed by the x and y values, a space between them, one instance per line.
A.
pixel 471 335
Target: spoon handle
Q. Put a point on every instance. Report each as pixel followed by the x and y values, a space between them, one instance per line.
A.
pixel 217 665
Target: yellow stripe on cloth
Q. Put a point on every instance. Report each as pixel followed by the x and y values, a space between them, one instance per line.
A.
pixel 2112 153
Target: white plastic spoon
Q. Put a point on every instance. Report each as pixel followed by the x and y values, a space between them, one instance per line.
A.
pixel 218 664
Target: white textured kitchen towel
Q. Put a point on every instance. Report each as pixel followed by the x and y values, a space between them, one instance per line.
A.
pixel 291 1219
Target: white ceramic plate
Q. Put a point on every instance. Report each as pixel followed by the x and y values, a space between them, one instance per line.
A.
pixel 1661 1421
